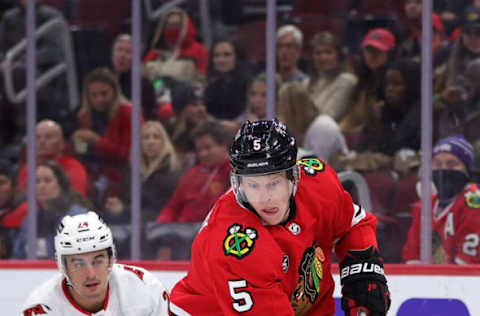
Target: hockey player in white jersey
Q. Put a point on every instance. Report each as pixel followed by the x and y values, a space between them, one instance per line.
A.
pixel 90 282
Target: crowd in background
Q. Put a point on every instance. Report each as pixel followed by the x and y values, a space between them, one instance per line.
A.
pixel 347 87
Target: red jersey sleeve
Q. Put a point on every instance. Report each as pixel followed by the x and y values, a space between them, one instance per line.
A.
pixel 360 225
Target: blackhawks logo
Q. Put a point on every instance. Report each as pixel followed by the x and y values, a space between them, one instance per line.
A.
pixel 472 199
pixel 311 165
pixel 238 242
pixel 310 276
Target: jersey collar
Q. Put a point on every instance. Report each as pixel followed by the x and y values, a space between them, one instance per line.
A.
pixel 78 307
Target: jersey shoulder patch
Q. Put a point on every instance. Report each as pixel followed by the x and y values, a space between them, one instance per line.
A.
pixel 39 309
pixel 472 199
pixel 311 166
pixel 239 241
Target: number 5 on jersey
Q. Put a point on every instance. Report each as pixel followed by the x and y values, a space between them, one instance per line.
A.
pixel 242 299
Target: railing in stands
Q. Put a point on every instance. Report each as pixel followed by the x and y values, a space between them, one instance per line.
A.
pixel 362 187
pixel 68 66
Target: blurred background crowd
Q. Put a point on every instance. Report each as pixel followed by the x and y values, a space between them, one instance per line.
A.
pixel 347 86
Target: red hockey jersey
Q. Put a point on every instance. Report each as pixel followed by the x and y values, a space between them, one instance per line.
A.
pixel 241 266
pixel 457 225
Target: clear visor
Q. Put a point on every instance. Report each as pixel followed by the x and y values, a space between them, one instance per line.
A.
pixel 255 188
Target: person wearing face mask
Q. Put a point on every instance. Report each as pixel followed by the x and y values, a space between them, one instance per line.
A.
pixel 455 207
pixel 175 35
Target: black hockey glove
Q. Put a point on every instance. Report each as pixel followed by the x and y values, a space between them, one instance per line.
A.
pixel 365 291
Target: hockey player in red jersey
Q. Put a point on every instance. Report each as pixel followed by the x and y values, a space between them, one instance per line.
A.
pixel 455 208
pixel 90 282
pixel 266 246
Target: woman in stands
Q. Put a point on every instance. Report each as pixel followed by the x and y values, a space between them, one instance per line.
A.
pixel 175 37
pixel 331 84
pixel 297 110
pixel 377 53
pixel 257 99
pixel 104 121
pixel 227 80
pixel 55 199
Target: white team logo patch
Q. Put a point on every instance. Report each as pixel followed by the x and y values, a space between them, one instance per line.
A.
pixel 294 228
pixel 285 263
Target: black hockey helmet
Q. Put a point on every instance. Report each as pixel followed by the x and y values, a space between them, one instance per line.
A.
pixel 262 147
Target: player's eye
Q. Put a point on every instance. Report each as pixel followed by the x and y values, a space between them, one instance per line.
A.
pixel 79 265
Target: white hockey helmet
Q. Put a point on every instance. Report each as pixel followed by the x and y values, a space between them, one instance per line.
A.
pixel 81 234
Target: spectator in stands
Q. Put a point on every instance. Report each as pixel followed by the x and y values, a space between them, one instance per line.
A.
pixel 200 186
pixel 103 139
pixel 455 218
pixel 466 47
pixel 451 12
pixel 458 111
pixel 331 84
pixel 55 198
pixel 396 124
pixel 289 51
pixel 51 146
pixel 411 47
pixel 159 168
pixel 227 80
pixel 257 99
pixel 175 38
pixel 13 209
pixel 122 67
pixel 317 134
pixel 117 215
pixel 377 52
pixel 190 110
pixel 52 99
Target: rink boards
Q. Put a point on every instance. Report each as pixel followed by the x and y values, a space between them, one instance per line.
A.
pixel 419 290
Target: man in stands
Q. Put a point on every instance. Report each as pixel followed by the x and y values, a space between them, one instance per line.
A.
pixel 289 50
pixel 50 146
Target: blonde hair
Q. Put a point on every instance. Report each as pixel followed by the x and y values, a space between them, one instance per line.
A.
pixel 296 109
pixel 167 151
pixel 107 77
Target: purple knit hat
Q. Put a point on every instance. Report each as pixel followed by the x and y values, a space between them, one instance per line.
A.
pixel 458 146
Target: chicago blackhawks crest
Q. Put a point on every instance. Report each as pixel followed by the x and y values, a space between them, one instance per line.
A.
pixel 239 242
pixel 311 166
pixel 472 199
pixel 310 275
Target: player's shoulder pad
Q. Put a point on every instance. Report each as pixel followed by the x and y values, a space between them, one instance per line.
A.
pixel 472 199
pixel 42 301
pixel 131 273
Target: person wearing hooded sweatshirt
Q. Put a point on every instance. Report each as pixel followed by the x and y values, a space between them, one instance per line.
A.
pixel 175 35
pixel 455 207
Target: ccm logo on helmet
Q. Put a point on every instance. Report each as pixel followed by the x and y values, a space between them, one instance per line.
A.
pixel 361 268
pixel 85 239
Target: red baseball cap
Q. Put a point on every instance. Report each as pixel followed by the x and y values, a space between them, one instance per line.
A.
pixel 379 38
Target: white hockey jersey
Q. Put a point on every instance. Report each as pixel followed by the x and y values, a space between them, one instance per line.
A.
pixel 132 291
